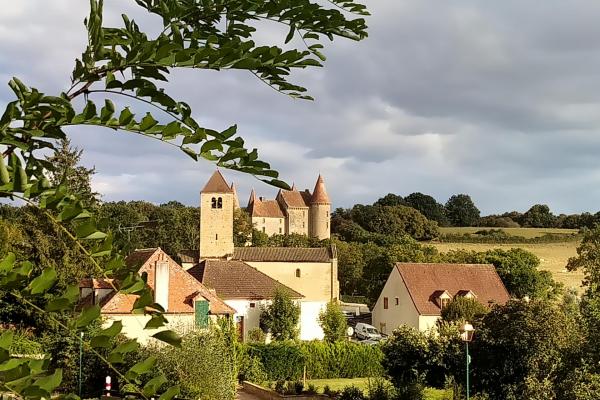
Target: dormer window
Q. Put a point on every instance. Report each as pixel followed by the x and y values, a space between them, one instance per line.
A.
pixel 443 299
pixel 467 294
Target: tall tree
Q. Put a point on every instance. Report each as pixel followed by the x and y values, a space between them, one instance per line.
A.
pixel 333 322
pixel 281 317
pixel 428 206
pixel 461 210
pixel 538 216
pixel 68 170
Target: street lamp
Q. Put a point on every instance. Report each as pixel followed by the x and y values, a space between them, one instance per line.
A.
pixel 466 334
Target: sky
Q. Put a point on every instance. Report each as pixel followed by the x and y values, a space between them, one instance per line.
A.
pixel 496 99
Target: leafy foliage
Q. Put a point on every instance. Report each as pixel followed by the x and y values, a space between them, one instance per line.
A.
pixel 462 309
pixel 281 317
pixel 333 322
pixel 461 211
pixel 131 65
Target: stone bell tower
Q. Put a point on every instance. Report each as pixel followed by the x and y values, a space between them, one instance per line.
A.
pixel 216 218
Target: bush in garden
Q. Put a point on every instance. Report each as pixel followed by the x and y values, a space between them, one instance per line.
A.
pixel 203 367
pixel 352 393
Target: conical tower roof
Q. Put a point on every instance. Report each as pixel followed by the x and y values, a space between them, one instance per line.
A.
pixel 216 184
pixel 252 198
pixel 236 201
pixel 320 194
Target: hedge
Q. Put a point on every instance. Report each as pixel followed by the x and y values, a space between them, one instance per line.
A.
pixel 286 360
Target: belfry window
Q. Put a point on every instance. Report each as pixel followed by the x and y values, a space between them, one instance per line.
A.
pixel 213 202
pixel 219 203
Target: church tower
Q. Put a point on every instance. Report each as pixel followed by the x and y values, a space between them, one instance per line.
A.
pixel 216 218
pixel 320 210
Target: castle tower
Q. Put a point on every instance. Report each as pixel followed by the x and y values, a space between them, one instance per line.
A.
pixel 320 210
pixel 216 218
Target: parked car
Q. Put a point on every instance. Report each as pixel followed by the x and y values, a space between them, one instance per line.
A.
pixel 366 331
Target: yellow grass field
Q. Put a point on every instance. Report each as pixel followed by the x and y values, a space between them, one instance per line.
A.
pixel 553 256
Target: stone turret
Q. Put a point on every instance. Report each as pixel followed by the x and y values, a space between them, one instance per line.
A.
pixel 217 202
pixel 320 211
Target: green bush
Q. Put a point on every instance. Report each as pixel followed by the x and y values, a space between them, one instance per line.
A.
pixel 286 360
pixel 352 393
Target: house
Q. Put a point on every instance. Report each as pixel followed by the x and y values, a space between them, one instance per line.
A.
pixel 187 302
pixel 310 274
pixel 415 294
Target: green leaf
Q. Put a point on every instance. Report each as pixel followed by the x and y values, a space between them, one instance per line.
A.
pixel 88 314
pixel 66 301
pixel 4 176
pixel 107 111
pixel 157 321
pixel 144 367
pixel 6 339
pixel 43 282
pixel 101 341
pixel 153 385
pixel 8 262
pixel 190 152
pixel 169 337
pixel 290 34
pixel 126 117
pixel 170 393
pixel 50 382
pixel 147 122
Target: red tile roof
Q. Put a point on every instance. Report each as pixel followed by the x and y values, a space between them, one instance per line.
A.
pixel 183 288
pixel 320 194
pixel 292 199
pixel 283 254
pixel 423 281
pixel 265 209
pixel 216 184
pixel 238 280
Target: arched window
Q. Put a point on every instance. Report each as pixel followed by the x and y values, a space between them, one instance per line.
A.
pixel 213 202
pixel 298 273
pixel 220 203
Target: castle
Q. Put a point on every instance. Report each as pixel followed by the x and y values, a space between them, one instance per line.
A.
pixel 292 211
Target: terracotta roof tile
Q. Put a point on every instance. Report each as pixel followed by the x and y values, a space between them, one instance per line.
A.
pixel 424 281
pixel 188 256
pixel 183 288
pixel 292 198
pixel 238 280
pixel 96 283
pixel 282 254
pixel 216 184
pixel 320 194
pixel 266 209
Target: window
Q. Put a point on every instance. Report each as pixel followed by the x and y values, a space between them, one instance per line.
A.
pixel 327 225
pixel 216 236
pixel 327 213
pixel 264 229
pixel 444 303
pixel 213 202
pixel 297 272
pixel 303 224
pixel 280 231
pixel 263 220
pixel 385 303
pixel 219 203
pixel 397 301
pixel 252 305
pixel 281 221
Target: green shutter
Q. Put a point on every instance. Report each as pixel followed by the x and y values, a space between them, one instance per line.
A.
pixel 201 311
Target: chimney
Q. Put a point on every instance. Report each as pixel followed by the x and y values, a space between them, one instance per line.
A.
pixel 161 284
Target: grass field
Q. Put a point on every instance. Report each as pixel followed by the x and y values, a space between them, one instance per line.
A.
pixel 553 257
pixel 363 384
pixel 525 232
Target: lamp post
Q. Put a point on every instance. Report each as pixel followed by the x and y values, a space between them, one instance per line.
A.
pixel 80 361
pixel 466 334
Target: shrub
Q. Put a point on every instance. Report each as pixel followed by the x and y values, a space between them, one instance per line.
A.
pixel 281 317
pixel 333 322
pixel 280 386
pixel 381 390
pixel 256 335
pixel 203 367
pixel 312 389
pixel 463 309
pixel 352 393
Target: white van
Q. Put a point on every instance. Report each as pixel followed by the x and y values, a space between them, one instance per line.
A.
pixel 366 331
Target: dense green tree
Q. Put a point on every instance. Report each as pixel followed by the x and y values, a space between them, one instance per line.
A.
pixel 390 199
pixel 428 206
pixel 497 221
pixel 394 221
pixel 281 317
pixel 538 216
pixel 351 265
pixel 68 170
pixel 242 227
pixel 461 211
pixel 524 347
pixel 333 322
pixel 462 309
pixel 259 238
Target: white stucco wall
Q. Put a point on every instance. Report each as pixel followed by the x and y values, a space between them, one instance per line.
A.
pixel 396 315
pixel 309 320
pixel 427 322
pixel 251 315
pixel 133 325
